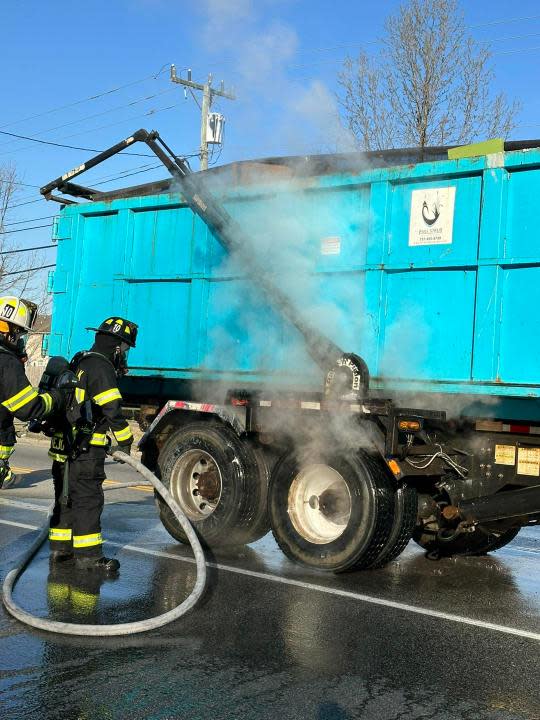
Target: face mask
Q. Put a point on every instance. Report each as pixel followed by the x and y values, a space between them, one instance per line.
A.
pixel 21 347
pixel 120 359
pixel 16 342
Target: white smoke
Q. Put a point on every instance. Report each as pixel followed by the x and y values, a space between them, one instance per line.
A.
pixel 406 344
pixel 257 55
pixel 259 50
pixel 286 232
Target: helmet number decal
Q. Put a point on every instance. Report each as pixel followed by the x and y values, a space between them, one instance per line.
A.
pixel 7 311
pixel 117 327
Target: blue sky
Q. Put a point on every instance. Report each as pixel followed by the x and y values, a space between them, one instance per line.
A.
pixel 282 56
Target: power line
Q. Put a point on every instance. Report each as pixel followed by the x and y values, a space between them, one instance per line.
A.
pixel 502 21
pixel 16 182
pixel 125 175
pixel 110 179
pixel 28 270
pixel 518 50
pixel 510 37
pixel 505 21
pixel 29 249
pixel 197 103
pixel 29 202
pixel 152 111
pixel 104 112
pixel 329 61
pixel 85 132
pixel 20 222
pixel 88 99
pixel 34 227
pixel 133 169
pixel 138 172
pixel 70 147
pixel 105 179
pixel 121 176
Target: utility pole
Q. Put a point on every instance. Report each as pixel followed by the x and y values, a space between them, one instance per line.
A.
pixel 208 94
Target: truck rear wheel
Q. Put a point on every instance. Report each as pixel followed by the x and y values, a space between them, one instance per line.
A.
pixel 482 541
pixel 334 513
pixel 405 518
pixel 219 481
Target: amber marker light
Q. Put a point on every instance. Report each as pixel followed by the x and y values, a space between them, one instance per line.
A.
pixel 394 467
pixel 409 425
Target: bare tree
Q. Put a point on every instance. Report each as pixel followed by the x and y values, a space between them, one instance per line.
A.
pixel 16 269
pixel 430 83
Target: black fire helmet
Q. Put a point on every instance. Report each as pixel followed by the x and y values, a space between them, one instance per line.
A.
pixel 124 330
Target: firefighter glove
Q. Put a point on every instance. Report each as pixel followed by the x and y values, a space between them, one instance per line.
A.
pixel 125 448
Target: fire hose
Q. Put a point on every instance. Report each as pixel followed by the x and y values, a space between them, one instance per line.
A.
pixel 130 628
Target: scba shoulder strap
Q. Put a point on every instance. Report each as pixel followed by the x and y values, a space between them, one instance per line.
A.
pixel 76 359
pixel 80 413
pixel 83 354
pixel 79 410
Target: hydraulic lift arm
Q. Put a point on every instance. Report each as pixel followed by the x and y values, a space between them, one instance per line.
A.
pixel 346 373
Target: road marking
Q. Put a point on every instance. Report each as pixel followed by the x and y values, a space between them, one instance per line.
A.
pixel 369 599
pixel 519 548
pixel 140 488
pixel 19 525
pixel 24 505
pixel 41 508
pixel 23 470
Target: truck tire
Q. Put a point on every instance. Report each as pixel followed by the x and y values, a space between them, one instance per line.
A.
pixel 405 519
pixel 219 480
pixel 483 541
pixel 334 514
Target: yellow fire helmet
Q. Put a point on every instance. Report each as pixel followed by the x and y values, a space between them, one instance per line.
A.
pixel 16 314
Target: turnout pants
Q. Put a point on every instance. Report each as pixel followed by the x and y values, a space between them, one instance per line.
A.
pixel 76 525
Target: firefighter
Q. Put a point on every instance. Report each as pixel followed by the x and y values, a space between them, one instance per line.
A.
pixel 18 398
pixel 79 460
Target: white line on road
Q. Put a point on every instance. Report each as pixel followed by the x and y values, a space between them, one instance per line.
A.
pixel 25 505
pixel 19 525
pixel 45 509
pixel 518 548
pixel 404 607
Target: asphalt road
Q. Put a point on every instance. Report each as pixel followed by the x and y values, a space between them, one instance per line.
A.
pixel 457 639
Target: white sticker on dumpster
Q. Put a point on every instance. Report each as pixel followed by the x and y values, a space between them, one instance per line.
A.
pixel 432 216
pixel 529 461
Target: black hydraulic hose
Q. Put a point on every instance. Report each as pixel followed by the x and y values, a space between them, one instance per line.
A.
pixel 452 535
pixel 121 628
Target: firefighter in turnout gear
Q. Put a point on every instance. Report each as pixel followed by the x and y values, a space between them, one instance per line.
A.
pixel 79 460
pixel 17 397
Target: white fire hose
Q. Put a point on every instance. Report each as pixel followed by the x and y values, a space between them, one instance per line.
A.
pixel 131 628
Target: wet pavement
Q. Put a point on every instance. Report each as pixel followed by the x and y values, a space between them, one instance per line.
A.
pixel 448 640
